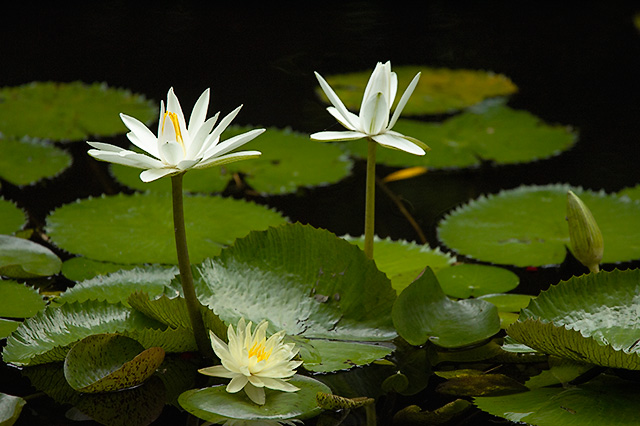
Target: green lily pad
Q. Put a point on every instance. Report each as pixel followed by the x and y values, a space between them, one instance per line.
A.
pixel 81 268
pixel 605 400
pixel 303 280
pixel 336 355
pixel 632 192
pixel 289 160
pixel 12 218
pixel 592 318
pixel 403 261
pixel 72 322
pixel 19 300
pixel 21 258
pixel 109 362
pixel 526 226
pixel 490 132
pixel 26 161
pixel 424 313
pixel 138 228
pixel 215 403
pixel 69 111
pixel 470 280
pixel 7 327
pixel 117 286
pixel 508 302
pixel 10 408
pixel 439 90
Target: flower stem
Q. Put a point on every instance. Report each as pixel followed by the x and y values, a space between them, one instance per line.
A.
pixel 186 276
pixel 370 200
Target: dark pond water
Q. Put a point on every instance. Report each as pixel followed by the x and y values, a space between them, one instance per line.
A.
pixel 576 63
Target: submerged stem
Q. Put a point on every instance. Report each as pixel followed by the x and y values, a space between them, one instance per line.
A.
pixel 186 276
pixel 370 203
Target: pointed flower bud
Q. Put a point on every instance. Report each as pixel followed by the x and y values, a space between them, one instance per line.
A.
pixel 587 244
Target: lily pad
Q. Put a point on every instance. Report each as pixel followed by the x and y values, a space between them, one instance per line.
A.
pixel 21 258
pixel 19 300
pixel 72 322
pixel 336 355
pixel 289 160
pixel 592 318
pixel 439 90
pixel 81 268
pixel 69 111
pixel 605 400
pixel 12 218
pixel 402 261
pixel 138 228
pixel 7 327
pixel 117 286
pixel 424 313
pixel 470 280
pixel 10 408
pixel 26 161
pixel 526 226
pixel 490 132
pixel 303 280
pixel 109 362
pixel 215 402
pixel 632 192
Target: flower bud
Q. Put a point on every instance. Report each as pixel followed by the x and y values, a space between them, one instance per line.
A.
pixel 587 244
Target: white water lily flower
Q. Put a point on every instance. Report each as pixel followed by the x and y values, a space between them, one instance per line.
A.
pixel 373 121
pixel 253 362
pixel 177 147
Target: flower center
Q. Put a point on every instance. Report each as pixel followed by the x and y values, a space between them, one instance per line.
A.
pixel 259 351
pixel 173 117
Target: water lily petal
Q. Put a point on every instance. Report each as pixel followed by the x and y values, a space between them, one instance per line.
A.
pixel 345 121
pixel 144 138
pixel 126 158
pixel 237 383
pixel 197 141
pixel 335 101
pixel 199 113
pixel 232 143
pixel 106 146
pixel 403 100
pixel 229 158
pixel 173 105
pixel 218 371
pixel 171 152
pixel 153 174
pixel 255 394
pixel 279 384
pixel 378 83
pixel 337 136
pixel 213 138
pixel 374 115
pixel 398 142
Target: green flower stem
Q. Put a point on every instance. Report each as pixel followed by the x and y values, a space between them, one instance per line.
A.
pixel 186 276
pixel 370 200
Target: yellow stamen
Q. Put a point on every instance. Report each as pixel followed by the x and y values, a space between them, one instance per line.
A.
pixel 258 350
pixel 176 127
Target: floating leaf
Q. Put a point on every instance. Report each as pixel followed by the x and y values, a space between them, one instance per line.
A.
pixel 71 322
pixel 117 287
pixel 480 385
pixel 526 226
pixel 26 161
pixel 20 258
pixel 605 400
pixel 7 327
pixel 215 402
pixel 289 160
pixel 10 408
pixel 19 300
pixel 493 133
pixel 424 313
pixel 508 302
pixel 69 111
pixel 631 192
pixel 109 362
pixel 81 268
pixel 592 318
pixel 302 280
pixel 12 218
pixel 470 280
pixel 403 261
pixel 138 228
pixel 336 355
pixel 439 90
